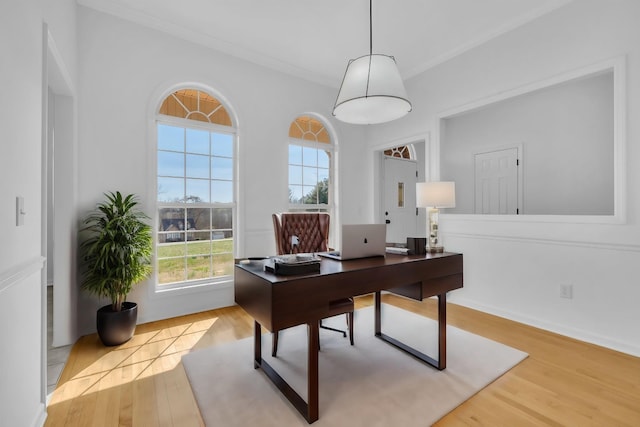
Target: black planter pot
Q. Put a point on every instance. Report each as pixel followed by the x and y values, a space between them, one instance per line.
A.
pixel 117 327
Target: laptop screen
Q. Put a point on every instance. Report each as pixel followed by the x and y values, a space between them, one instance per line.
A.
pixel 363 240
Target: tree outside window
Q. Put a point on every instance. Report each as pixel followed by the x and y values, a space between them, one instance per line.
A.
pixel 310 165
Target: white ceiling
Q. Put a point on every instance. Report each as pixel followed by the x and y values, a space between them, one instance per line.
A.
pixel 315 39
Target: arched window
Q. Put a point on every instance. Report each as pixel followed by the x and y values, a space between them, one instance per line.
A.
pixel 195 190
pixel 311 160
pixel 401 152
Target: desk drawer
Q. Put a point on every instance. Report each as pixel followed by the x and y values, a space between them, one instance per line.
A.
pixel 428 288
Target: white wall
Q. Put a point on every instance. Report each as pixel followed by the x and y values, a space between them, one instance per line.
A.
pixel 60 16
pixel 124 69
pixel 514 266
pixel 564 134
pixel 21 402
pixel 22 272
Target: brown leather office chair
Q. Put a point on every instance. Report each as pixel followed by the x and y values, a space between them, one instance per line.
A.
pixel 308 232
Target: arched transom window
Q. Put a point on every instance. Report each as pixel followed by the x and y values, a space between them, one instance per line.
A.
pixel 195 105
pixel 310 165
pixel 195 190
pixel 402 152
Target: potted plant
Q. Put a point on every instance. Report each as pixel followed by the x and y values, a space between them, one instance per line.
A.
pixel 116 256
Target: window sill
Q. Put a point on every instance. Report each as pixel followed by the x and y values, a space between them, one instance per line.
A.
pixel 193 288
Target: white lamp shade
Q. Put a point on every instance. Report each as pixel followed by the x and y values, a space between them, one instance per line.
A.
pixel 372 91
pixel 436 194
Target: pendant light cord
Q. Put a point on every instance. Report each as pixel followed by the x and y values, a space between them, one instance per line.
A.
pixel 370 28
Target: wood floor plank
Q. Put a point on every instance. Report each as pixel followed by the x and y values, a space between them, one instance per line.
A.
pixel 144 398
pixel 143 383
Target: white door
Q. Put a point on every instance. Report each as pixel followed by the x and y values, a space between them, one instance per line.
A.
pixel 496 182
pixel 399 198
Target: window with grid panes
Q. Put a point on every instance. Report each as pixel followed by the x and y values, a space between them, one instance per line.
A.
pixel 195 191
pixel 310 165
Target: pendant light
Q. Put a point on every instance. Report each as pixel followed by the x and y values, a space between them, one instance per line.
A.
pixel 372 90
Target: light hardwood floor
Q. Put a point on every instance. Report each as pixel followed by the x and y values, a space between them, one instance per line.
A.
pixel 563 382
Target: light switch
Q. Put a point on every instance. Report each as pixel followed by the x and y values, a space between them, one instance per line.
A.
pixel 20 213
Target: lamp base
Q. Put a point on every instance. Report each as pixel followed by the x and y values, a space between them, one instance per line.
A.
pixel 433 246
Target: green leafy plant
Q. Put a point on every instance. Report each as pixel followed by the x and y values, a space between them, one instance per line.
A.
pixel 117 251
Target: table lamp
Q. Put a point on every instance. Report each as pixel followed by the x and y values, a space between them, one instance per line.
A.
pixel 434 196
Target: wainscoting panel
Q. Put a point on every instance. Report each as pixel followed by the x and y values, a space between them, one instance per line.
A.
pixel 16 274
pixel 526 279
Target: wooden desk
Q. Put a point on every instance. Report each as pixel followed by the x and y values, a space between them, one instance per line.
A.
pixel 279 302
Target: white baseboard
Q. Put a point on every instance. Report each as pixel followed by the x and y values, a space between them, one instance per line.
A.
pixel 578 334
pixel 40 416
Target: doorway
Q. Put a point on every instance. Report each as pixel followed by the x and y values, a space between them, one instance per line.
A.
pixel 399 171
pixel 399 202
pixel 59 217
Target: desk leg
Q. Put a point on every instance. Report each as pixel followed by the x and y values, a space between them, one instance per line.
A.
pixel 378 321
pixel 441 363
pixel 312 373
pixel 442 331
pixel 257 345
pixel 309 410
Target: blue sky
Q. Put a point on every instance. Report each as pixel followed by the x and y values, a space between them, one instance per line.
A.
pixel 184 160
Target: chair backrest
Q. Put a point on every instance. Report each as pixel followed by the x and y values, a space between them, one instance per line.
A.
pixel 310 228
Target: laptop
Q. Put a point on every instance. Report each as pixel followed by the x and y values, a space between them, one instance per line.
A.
pixel 360 241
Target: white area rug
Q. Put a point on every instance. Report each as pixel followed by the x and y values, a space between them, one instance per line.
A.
pixel 369 384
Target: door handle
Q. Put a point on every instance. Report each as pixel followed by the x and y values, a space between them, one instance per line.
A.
pixel 388 221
